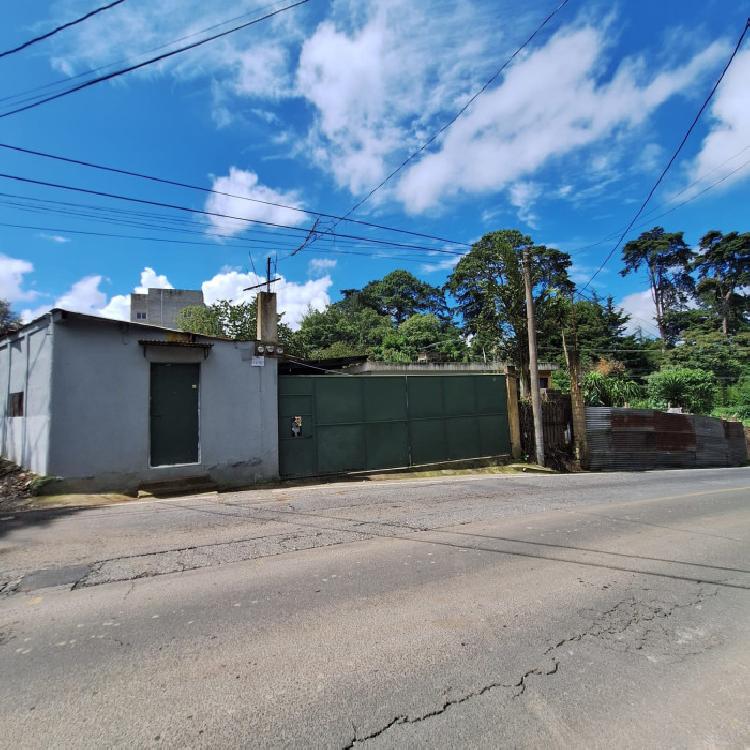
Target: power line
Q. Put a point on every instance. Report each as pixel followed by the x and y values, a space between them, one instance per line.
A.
pixel 118 235
pixel 150 61
pixel 60 28
pixel 710 186
pixel 202 212
pixel 460 112
pixel 674 155
pixel 23 95
pixel 175 183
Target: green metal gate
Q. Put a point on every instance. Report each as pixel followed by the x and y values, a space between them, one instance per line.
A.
pixel 330 424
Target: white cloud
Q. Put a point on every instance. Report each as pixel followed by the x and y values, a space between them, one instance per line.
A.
pixel 551 103
pixel 58 238
pixel 152 280
pixel 523 195
pixel 446 264
pixel 294 298
pixel 641 306
pixel 84 296
pixel 12 272
pixel 254 63
pixel 317 266
pixel 725 148
pixel 378 71
pixel 244 184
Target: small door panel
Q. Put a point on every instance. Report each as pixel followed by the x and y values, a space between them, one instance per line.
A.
pixel 175 399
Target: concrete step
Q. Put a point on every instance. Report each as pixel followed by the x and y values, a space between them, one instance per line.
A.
pixel 182 486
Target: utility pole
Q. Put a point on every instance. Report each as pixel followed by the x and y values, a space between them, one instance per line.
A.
pixel 536 402
pixel 572 359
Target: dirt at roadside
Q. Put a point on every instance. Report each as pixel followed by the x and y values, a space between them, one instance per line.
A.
pixel 16 485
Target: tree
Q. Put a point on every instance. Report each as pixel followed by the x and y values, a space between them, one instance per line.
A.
pixel 8 319
pixel 347 325
pixel 667 260
pixel 487 284
pixel 399 295
pixel 600 332
pixel 689 388
pixel 423 333
pixel 723 266
pixel 234 320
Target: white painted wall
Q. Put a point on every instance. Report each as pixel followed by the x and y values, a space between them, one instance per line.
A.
pixel 26 366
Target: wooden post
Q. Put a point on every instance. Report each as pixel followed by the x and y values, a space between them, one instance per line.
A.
pixel 514 417
pixel 578 407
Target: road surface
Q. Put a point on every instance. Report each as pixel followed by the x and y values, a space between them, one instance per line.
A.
pixel 599 610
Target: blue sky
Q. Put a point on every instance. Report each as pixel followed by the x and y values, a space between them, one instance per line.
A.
pixel 313 108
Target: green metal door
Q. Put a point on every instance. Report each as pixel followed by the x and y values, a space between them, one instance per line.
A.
pixel 174 413
pixel 333 424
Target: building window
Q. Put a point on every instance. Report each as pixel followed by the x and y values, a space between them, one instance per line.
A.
pixel 15 404
pixel 544 382
pixel 140 316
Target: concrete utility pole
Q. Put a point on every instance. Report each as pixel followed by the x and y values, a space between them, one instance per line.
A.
pixel 536 402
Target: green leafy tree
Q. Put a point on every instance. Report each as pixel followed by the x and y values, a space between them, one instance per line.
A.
pixel 723 267
pixel 423 333
pixel 8 319
pixel 689 388
pixel 600 328
pixel 488 287
pixel 399 295
pixel 667 260
pixel 234 320
pixel 347 325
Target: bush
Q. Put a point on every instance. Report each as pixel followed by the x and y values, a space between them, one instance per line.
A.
pixel 691 389
pixel 608 390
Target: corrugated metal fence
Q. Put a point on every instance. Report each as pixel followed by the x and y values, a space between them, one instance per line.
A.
pixel 647 439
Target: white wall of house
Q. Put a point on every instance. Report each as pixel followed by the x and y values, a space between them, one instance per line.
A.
pixel 26 368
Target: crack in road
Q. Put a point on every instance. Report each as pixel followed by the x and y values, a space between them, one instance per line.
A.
pixel 599 628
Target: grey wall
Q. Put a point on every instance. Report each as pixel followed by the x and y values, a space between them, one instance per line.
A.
pixel 162 305
pixel 100 421
pixel 26 366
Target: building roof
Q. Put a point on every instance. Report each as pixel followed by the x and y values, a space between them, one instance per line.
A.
pixel 59 313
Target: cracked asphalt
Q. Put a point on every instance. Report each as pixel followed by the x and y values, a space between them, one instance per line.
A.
pixel 601 610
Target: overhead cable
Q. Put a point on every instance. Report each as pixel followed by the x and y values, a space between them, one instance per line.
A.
pixel 175 183
pixel 458 114
pixel 187 209
pixel 674 155
pixel 60 28
pixel 151 61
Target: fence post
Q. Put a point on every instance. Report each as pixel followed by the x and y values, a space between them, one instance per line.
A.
pixel 514 421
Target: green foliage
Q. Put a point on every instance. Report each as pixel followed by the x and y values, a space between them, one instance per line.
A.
pixel 726 357
pixel 487 284
pixel 423 333
pixel 399 295
pixel 346 325
pixel 667 259
pixel 723 267
pixel 600 389
pixel 8 319
pixel 234 320
pixel 690 388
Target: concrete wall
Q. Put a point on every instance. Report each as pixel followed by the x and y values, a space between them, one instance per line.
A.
pixel 26 367
pixel 162 305
pixel 100 419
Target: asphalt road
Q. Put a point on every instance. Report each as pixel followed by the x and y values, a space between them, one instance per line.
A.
pixel 602 610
